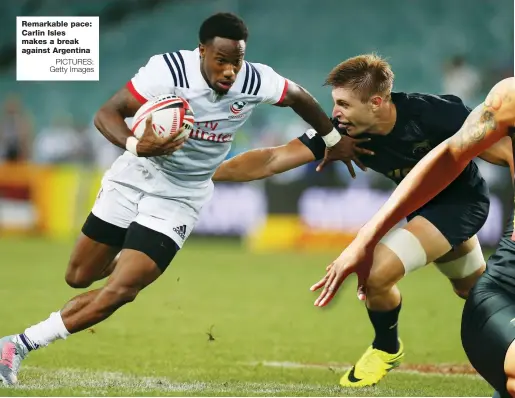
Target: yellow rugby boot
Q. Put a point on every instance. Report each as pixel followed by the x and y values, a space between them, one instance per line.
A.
pixel 372 367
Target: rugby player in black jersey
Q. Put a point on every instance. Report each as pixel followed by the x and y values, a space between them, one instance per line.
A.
pixel 488 322
pixel 400 129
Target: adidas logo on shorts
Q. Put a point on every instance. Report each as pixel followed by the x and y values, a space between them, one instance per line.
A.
pixel 181 231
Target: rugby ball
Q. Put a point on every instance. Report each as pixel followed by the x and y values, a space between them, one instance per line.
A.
pixel 169 113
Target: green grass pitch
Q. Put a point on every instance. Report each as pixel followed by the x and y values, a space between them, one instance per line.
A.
pixel 222 321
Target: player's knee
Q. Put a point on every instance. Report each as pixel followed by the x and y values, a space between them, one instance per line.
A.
pixel 509 369
pixel 379 282
pixel 463 286
pixel 386 270
pixel 76 278
pixel 510 386
pixel 461 293
pixel 77 282
pixel 464 271
pixel 119 295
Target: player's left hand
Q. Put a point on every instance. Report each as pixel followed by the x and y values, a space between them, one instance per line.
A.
pixel 346 150
pixel 355 258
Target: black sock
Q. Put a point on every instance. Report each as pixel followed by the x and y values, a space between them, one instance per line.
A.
pixel 385 326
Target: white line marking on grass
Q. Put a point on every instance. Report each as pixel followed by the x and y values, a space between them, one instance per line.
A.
pixel 85 381
pixel 421 370
pixel 38 378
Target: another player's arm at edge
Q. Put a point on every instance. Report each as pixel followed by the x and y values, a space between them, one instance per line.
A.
pixel 486 125
pixel 110 118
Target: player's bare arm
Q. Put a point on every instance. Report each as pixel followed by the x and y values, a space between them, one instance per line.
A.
pixel 499 154
pixel 110 121
pixel 264 162
pixel 486 125
pixel 307 107
pixel 340 147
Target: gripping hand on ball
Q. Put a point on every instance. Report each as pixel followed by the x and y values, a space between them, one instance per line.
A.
pixel 151 145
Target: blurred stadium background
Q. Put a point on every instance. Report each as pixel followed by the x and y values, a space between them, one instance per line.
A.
pixel 434 46
pixel 51 156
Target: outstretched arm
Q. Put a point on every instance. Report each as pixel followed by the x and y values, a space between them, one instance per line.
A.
pixel 339 147
pixel 264 162
pixel 486 125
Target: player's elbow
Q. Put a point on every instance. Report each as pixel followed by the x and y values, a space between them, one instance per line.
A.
pixel 455 154
pixel 97 120
pixel 268 172
pixel 501 103
pixel 100 117
pixel 225 172
pixel 217 177
pixel 276 163
pixel 105 113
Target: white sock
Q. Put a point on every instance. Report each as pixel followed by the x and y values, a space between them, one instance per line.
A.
pixel 44 333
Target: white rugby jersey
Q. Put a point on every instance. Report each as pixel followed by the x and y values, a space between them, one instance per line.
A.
pixel 217 117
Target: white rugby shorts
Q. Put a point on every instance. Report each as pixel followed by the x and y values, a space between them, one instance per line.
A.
pixel 134 191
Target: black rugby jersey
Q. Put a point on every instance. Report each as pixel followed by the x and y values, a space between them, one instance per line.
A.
pixel 423 122
pixel 501 264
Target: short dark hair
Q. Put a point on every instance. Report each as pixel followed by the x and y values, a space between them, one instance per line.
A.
pixel 367 74
pixel 223 24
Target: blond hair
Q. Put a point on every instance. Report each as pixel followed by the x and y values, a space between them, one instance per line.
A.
pixel 367 75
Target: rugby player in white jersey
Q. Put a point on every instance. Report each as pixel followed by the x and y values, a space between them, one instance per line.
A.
pixel 151 197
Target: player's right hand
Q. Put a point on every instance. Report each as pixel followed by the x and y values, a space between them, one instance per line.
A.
pixel 357 257
pixel 150 144
pixel 346 150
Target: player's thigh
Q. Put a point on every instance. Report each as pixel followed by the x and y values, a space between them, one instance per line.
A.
pixel 88 259
pixel 117 205
pixel 157 247
pixel 163 224
pixel 170 217
pixel 454 221
pixel 103 232
pixel 432 240
pixel 145 255
pixel 463 265
pixel 487 330
pixel 404 250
